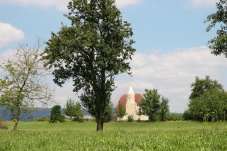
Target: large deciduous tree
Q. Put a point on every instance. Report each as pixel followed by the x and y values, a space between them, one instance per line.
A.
pixel 22 82
pixel 95 48
pixel 218 44
pixel 208 100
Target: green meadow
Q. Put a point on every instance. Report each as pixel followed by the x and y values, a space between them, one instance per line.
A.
pixel 135 136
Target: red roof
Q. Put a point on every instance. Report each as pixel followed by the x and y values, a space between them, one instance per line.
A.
pixel 123 100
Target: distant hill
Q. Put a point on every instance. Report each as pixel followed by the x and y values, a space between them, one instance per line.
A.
pixel 41 112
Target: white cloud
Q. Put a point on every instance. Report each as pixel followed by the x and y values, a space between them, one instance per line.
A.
pixel 9 34
pixel 203 3
pixel 122 3
pixel 62 94
pixel 172 74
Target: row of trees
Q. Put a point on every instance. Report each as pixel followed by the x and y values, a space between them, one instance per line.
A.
pixel 75 111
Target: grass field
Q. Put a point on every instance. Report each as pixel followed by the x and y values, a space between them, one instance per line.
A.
pixel 136 136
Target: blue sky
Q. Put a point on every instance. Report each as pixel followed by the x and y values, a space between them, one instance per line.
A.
pixel 171 43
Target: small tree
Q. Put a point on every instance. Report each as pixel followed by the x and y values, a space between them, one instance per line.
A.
pixel 22 82
pixel 120 111
pixel 69 108
pixel 108 112
pixel 164 108
pixel 56 115
pixel 150 104
pixel 78 112
pixel 73 110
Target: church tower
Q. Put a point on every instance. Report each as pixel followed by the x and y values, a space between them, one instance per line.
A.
pixel 131 104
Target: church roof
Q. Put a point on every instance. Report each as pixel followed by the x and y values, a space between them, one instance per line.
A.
pixel 123 100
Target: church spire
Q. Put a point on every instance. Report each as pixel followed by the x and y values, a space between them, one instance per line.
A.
pixel 130 91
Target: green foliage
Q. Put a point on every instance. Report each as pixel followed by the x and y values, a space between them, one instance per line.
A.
pixel 164 108
pixel 174 117
pixel 130 118
pixel 200 86
pixel 92 51
pixel 158 136
pixel 208 101
pixel 70 108
pixel 120 111
pixel 73 110
pixel 108 112
pixel 150 104
pixel 56 115
pixel 78 112
pixel 42 119
pixel 218 43
pixel 154 106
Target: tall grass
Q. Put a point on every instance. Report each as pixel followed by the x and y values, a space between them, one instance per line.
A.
pixel 116 136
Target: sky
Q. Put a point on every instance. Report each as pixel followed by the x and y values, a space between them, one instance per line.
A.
pixel 171 43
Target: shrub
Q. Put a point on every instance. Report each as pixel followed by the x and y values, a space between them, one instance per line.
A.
pixel 174 117
pixel 56 115
pixel 78 119
pixel 3 124
pixel 42 119
pixel 130 118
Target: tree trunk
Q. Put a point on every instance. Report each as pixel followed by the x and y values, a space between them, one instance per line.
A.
pixel 100 122
pixel 17 118
pixel 16 123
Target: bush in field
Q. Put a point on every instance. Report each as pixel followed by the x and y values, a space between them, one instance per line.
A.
pixel 3 124
pixel 130 118
pixel 74 110
pixel 42 119
pixel 56 115
pixel 174 117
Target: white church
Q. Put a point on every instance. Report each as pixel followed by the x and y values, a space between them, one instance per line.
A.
pixel 131 102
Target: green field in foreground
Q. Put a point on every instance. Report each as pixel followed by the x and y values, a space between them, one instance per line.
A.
pixel 173 136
